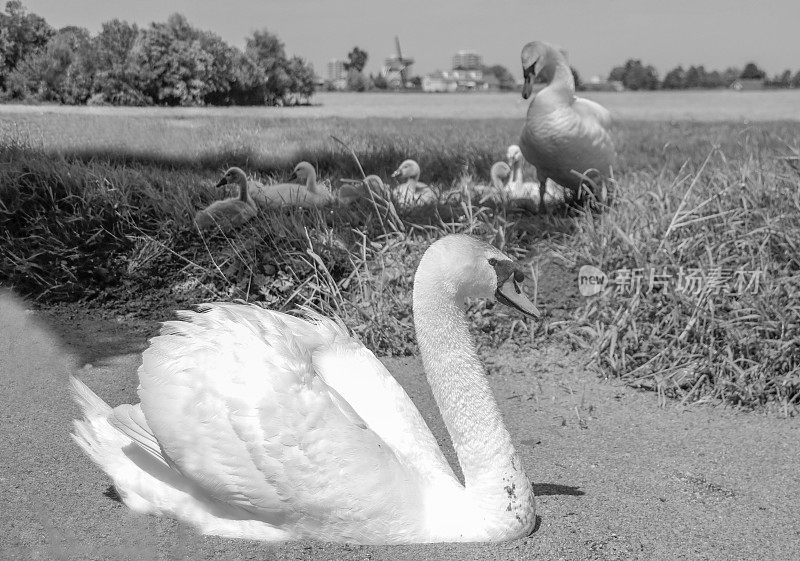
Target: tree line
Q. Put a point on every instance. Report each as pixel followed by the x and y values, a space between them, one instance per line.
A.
pixel 636 76
pixel 166 63
pixel 173 63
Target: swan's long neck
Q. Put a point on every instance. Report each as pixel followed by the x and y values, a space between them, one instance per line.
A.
pixel 516 172
pixel 243 193
pixel 497 181
pixel 562 82
pixel 311 180
pixel 493 473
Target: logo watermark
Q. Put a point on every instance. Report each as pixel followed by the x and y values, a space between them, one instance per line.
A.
pixel 691 281
pixel 591 280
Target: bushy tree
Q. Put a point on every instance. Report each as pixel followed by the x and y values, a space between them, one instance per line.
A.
pixel 635 76
pixel 21 35
pixel 504 77
pixel 379 82
pixel 675 79
pixel 267 53
pixel 114 72
pixel 51 73
pixel 302 80
pixel 356 81
pixel 783 80
pixel 169 63
pixel 356 60
pixel 752 72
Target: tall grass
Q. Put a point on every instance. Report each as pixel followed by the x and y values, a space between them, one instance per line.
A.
pixel 104 217
pixel 740 345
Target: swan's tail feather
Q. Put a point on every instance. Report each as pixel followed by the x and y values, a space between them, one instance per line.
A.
pixel 130 421
pixel 87 400
pixel 121 443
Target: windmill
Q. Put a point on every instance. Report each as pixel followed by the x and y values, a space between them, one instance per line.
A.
pixel 396 68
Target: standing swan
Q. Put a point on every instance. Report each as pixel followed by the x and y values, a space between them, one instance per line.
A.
pixel 229 213
pixel 413 192
pixel 262 425
pixel 563 134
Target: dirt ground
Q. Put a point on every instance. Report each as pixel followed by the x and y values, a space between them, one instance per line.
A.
pixel 616 476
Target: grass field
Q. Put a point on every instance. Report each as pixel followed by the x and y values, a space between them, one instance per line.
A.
pixel 96 207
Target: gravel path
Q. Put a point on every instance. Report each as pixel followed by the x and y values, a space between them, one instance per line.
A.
pixel 617 476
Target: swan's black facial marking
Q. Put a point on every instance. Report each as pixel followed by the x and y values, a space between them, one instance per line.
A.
pixel 509 287
pixel 504 268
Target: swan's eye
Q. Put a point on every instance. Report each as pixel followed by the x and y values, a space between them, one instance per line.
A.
pixel 503 268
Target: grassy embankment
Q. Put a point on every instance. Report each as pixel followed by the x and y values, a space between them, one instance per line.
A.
pixel 98 208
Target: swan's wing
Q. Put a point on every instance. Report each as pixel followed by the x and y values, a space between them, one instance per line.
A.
pixel 323 188
pixel 524 190
pixel 365 384
pixel 588 108
pixel 235 402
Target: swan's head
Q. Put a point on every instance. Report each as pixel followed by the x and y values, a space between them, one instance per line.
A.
pixel 407 170
pixel 469 268
pixel 539 58
pixel 303 171
pixel 513 155
pixel 501 171
pixel 234 176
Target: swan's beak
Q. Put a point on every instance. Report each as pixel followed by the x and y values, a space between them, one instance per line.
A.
pixel 221 182
pixel 527 88
pixel 396 173
pixel 511 294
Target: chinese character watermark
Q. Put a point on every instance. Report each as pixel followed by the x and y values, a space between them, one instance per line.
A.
pixel 691 281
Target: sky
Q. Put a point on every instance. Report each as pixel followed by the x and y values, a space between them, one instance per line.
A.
pixel 598 34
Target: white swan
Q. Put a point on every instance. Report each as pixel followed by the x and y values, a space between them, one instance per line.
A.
pixel 258 424
pixel 500 174
pixel 564 135
pixel 528 193
pixel 412 192
pixel 229 213
pixel 309 193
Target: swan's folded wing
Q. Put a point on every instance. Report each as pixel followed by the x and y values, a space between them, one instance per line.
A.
pixel 588 108
pixel 235 403
pixel 368 387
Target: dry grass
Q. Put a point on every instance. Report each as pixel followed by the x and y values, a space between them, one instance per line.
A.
pixel 740 345
pixel 107 220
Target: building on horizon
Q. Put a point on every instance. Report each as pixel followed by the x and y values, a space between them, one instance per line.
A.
pixel 337 73
pixel 467 60
pixel 466 75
